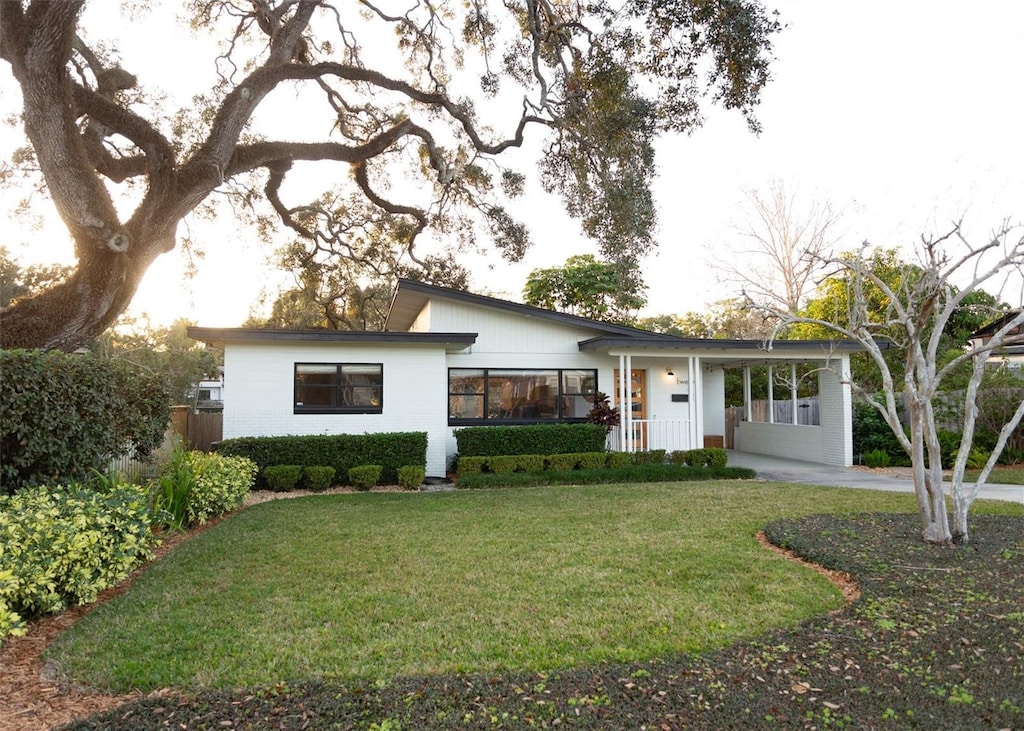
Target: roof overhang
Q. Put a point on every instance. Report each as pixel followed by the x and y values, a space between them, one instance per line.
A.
pixel 219 337
pixel 724 352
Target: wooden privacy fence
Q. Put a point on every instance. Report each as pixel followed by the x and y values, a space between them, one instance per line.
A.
pixel 197 430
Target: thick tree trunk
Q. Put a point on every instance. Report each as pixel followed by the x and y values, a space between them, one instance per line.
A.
pixel 80 309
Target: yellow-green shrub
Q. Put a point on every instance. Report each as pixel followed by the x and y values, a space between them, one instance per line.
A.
pixel 221 484
pixel 62 546
pixel 411 476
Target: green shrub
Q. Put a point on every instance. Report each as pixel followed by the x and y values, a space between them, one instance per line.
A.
pixel 61 546
pixel 486 441
pixel 562 461
pixel 678 457
pixel 615 460
pixel 530 463
pixel 592 460
pixel 471 465
pixel 876 458
pixel 705 457
pixel 503 464
pixel 282 477
pixel 221 484
pixel 977 458
pixel 365 476
pixel 63 415
pixel 391 450
pixel 411 477
pixel 871 432
pixel 633 473
pixel 319 477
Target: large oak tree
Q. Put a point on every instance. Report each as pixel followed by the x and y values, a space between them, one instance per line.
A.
pixel 422 136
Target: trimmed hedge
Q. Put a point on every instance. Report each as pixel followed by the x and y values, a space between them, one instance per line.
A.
pixel 282 477
pixel 62 546
pixel 365 476
pixel 605 476
pixel 320 478
pixel 488 441
pixel 411 477
pixel 507 464
pixel 63 415
pixel 390 450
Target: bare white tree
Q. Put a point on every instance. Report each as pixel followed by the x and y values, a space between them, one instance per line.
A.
pixel 918 309
pixel 784 243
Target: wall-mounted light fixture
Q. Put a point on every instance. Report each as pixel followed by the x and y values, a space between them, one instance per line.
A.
pixel 669 371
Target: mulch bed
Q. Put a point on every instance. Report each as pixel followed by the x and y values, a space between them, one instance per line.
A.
pixel 936 640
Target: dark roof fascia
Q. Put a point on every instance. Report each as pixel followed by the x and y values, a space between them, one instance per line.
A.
pixel 674 343
pixel 246 334
pixel 992 327
pixel 481 300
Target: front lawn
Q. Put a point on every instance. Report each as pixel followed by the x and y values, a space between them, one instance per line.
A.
pixel 382 585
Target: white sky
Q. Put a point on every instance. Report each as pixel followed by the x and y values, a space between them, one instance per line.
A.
pixel 903 114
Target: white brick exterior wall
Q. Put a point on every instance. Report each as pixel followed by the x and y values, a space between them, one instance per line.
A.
pixel 259 392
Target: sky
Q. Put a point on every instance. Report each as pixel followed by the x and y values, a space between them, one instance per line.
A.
pixel 903 115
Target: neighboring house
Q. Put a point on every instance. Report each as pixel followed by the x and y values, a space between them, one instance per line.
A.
pixel 1011 353
pixel 208 394
pixel 448 359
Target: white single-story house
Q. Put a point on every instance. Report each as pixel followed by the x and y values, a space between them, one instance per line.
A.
pixel 1011 354
pixel 448 359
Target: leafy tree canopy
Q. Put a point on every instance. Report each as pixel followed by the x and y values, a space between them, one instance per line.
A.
pixel 587 287
pixel 167 352
pixel 405 112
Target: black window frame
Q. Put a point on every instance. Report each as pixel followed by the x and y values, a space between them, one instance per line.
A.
pixel 337 387
pixel 487 389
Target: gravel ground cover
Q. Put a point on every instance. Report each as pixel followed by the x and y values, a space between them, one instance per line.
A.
pixel 935 640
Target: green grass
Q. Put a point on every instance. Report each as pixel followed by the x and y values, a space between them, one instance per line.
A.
pixel 383 585
pixel 1000 475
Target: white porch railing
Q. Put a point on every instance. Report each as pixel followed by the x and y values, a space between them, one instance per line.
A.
pixel 670 435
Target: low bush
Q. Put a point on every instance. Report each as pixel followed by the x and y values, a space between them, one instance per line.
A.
pixel 631 473
pixel 365 476
pixel 530 463
pixel 562 462
pixel 320 477
pixel 486 441
pixel 282 477
pixel 391 450
pixel 503 464
pixel 411 477
pixel 470 465
pixel 221 484
pixel 651 456
pixel 614 460
pixel 876 458
pixel 592 460
pixel 62 546
pixel 705 457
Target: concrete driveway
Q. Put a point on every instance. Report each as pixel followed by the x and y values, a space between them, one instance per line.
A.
pixel 776 469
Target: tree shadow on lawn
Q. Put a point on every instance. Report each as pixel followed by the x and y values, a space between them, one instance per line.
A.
pixel 935 641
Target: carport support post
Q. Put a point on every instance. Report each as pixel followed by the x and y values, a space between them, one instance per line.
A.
pixel 746 393
pixel 771 395
pixel 792 393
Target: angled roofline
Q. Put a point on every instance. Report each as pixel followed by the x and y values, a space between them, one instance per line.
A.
pixel 991 328
pixel 430 290
pixel 218 336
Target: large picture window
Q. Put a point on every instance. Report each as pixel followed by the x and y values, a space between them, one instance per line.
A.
pixel 339 388
pixel 496 395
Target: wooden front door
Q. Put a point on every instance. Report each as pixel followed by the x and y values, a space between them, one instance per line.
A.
pixel 637 385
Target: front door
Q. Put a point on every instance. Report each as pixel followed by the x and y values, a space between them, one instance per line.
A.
pixel 638 396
